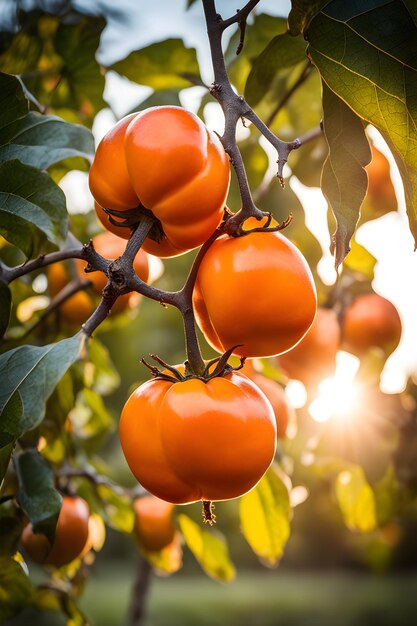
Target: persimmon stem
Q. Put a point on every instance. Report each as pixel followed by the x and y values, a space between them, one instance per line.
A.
pixel 207 512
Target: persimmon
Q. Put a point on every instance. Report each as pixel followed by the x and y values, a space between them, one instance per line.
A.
pixel 70 537
pixel 154 527
pixel 314 357
pixel 371 321
pixel 256 292
pixel 166 161
pixel 381 196
pixel 111 247
pixel 198 440
pixel 78 308
pixel 283 411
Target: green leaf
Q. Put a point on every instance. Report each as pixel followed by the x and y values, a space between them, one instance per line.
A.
pixel 11 527
pixel 13 103
pixel 344 180
pixel 82 82
pixel 365 53
pixel 356 500
pixel 164 65
pixel 163 97
pixel 37 495
pixel 90 419
pixel 265 517
pixel 257 36
pixel 118 511
pixel 281 53
pixel 29 374
pixel 390 497
pixel 281 202
pixel 42 140
pixel 100 374
pixel 5 308
pixel 209 549
pixel 301 14
pixel 15 589
pixel 33 214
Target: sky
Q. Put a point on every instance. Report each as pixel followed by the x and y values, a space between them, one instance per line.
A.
pixel 387 238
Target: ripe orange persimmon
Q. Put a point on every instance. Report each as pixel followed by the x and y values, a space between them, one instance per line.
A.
pixel 111 247
pixel 381 196
pixel 314 357
pixel 256 290
pixel 284 412
pixel 371 321
pixel 163 159
pixel 154 527
pixel 78 308
pixel 70 537
pixel 195 440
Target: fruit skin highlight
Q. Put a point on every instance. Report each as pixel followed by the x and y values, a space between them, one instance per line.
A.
pixel 166 160
pixel 256 292
pixel 195 440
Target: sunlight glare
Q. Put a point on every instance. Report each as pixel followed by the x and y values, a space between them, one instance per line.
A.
pixel 296 393
pixel 338 395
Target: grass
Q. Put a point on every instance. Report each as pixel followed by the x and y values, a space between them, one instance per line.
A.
pixel 260 599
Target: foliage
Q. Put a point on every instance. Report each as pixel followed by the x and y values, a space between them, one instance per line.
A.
pixel 317 79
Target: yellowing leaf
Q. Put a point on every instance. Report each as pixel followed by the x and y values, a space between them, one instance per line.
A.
pixel 209 549
pixel 265 517
pixel 166 561
pixel 356 500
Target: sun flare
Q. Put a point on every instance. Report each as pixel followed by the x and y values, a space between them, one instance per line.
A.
pixel 338 396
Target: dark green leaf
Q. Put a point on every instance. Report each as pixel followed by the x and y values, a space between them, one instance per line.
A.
pixel 265 517
pixel 344 180
pixel 11 526
pixel 281 53
pixel 209 549
pixel 42 140
pixel 82 80
pixel 28 375
pixel 13 103
pixel 15 589
pixel 33 214
pixel 164 65
pixel 301 14
pixel 366 53
pixel 37 495
pixel 5 308
pixel 190 3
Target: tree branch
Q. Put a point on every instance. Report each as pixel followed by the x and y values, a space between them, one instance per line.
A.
pixel 235 107
pixel 241 16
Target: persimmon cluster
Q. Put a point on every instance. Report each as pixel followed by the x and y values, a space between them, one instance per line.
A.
pixel 188 434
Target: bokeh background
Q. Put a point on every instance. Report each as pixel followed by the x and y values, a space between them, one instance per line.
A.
pixel 328 575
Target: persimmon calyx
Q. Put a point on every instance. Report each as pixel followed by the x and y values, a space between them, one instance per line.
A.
pixel 233 224
pixel 130 218
pixel 174 375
